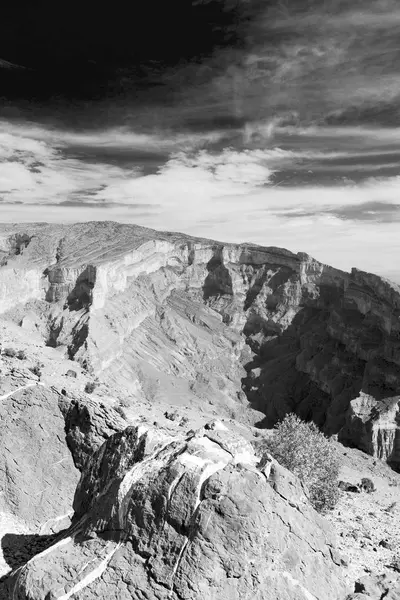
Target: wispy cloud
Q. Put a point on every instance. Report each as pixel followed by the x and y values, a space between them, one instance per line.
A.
pixel 36 167
pixel 33 171
pixel 218 192
pixel 315 59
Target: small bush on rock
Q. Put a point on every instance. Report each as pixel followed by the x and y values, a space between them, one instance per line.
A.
pixel 21 354
pixel 90 387
pixel 304 450
pixel 10 352
pixel 367 485
pixel 36 370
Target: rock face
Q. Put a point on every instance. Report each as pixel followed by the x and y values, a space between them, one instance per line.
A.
pixel 87 425
pixel 187 517
pixel 376 588
pixel 37 474
pixel 167 317
pixel 373 426
pixel 34 457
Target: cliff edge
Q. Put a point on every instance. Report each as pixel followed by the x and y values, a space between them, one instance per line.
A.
pixel 251 331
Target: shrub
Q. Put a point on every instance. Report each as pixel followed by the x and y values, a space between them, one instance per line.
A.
pixel 21 354
pixel 10 352
pixel 367 485
pixel 90 387
pixel 36 370
pixel 304 450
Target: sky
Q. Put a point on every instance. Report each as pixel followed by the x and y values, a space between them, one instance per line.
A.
pixel 272 122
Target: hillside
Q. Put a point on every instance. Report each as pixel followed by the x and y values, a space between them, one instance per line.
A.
pixel 118 344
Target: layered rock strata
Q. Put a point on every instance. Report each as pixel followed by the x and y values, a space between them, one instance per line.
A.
pixel 166 316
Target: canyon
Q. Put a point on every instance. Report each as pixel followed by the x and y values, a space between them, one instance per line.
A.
pixel 258 331
pixel 138 372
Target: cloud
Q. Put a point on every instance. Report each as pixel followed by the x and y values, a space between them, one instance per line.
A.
pixel 251 167
pixel 379 212
pixel 32 171
pixel 44 166
pixel 119 138
pixel 315 59
pixel 220 193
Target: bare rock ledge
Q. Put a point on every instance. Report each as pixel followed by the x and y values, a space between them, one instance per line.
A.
pixel 186 517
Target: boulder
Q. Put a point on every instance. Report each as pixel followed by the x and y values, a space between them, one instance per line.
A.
pixel 88 423
pixel 71 373
pixel 376 587
pixel 37 474
pixel 346 486
pixel 182 518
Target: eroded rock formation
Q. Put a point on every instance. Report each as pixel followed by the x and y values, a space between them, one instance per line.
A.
pixel 37 474
pixel 87 425
pixel 186 517
pixel 33 455
pixel 165 316
pixel 374 426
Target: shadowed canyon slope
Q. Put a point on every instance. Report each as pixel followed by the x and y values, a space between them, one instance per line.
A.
pixel 246 331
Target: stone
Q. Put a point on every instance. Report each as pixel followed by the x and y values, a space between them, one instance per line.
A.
pixel 345 486
pixel 386 544
pixel 377 587
pixel 185 517
pixel 34 457
pixel 395 565
pixel 37 474
pixel 71 373
pixel 88 423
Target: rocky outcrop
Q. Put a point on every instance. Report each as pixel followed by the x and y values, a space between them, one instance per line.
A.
pixel 87 425
pixel 33 455
pixel 37 474
pixel 163 317
pixel 187 517
pixel 375 587
pixel 373 426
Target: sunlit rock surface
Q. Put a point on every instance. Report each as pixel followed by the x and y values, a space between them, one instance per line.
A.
pixel 186 517
pixel 37 474
pixel 167 318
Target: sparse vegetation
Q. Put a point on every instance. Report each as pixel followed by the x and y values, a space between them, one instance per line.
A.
pixel 90 387
pixel 304 450
pixel 367 485
pixel 35 369
pixel 11 352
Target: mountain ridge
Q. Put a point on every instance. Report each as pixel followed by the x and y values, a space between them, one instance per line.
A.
pixel 254 329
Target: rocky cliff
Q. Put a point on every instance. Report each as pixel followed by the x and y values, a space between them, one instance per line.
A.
pixel 37 474
pixel 186 517
pixel 252 331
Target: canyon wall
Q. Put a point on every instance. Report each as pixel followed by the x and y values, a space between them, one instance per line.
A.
pixel 256 331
